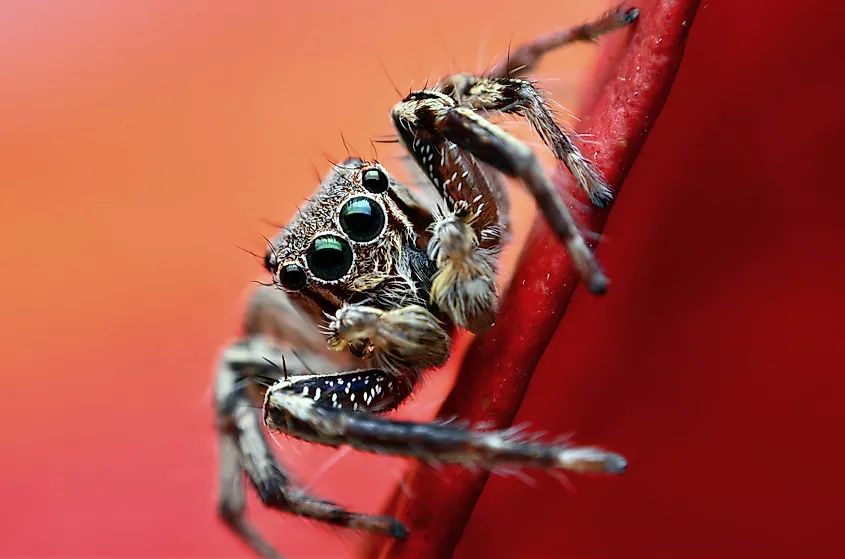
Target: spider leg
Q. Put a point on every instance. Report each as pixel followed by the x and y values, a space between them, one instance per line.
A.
pixel 258 357
pixel 524 58
pixel 245 449
pixel 269 311
pixel 339 409
pixel 502 91
pixel 520 97
pixel 232 497
pixel 431 123
pixel 336 409
pixel 468 227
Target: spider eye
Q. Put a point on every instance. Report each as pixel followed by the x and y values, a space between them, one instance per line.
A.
pixel 293 277
pixel 329 257
pixel 270 261
pixel 375 181
pixel 362 219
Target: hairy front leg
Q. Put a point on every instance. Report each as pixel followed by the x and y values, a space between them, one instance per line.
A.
pixel 429 120
pixel 278 341
pixel 323 410
pixel 468 228
pixel 244 450
pixel 506 93
pixel 521 98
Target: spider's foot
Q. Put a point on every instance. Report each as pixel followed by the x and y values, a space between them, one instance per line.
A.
pixel 398 530
pixel 383 525
pixel 587 266
pixel 592 460
pixel 630 16
pixel 589 179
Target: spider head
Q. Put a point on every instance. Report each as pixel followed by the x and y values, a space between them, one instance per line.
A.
pixel 346 239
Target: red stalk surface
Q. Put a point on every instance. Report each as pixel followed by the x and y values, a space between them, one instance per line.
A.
pixel 632 82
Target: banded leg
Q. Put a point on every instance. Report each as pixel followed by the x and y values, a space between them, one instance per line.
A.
pixel 244 448
pixel 468 229
pixel 431 122
pixel 337 409
pixel 521 98
pixel 504 92
pixel 332 410
pixel 522 61
pixel 245 367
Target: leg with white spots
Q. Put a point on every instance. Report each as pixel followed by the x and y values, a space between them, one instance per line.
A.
pixel 435 129
pixel 437 124
pixel 308 401
pixel 521 98
pixel 246 454
pixel 471 222
pixel 339 409
pixel 501 90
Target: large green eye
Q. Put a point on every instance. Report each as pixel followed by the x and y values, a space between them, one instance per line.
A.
pixel 329 258
pixel 362 219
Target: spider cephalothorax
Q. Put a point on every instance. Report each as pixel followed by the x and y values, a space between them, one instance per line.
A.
pixel 370 279
pixel 348 237
pixel 352 253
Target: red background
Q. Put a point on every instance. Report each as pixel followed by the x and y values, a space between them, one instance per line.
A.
pixel 143 141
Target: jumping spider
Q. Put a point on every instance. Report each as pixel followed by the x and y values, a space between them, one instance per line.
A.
pixel 395 276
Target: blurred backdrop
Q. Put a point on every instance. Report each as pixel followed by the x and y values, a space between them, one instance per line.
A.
pixel 143 143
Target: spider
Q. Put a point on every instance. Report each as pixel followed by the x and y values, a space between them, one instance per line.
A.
pixel 370 280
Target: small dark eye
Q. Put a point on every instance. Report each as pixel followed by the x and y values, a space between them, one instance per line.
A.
pixel 293 277
pixel 329 257
pixel 374 180
pixel 362 219
pixel 270 261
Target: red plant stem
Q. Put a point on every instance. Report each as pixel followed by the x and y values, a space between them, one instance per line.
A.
pixel 633 80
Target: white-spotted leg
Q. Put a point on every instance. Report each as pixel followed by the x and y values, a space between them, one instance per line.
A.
pixel 339 409
pixel 432 122
pixel 344 408
pixel 246 367
pixel 503 91
pixel 314 403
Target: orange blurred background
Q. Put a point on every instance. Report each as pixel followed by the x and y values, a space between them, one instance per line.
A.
pixel 144 142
